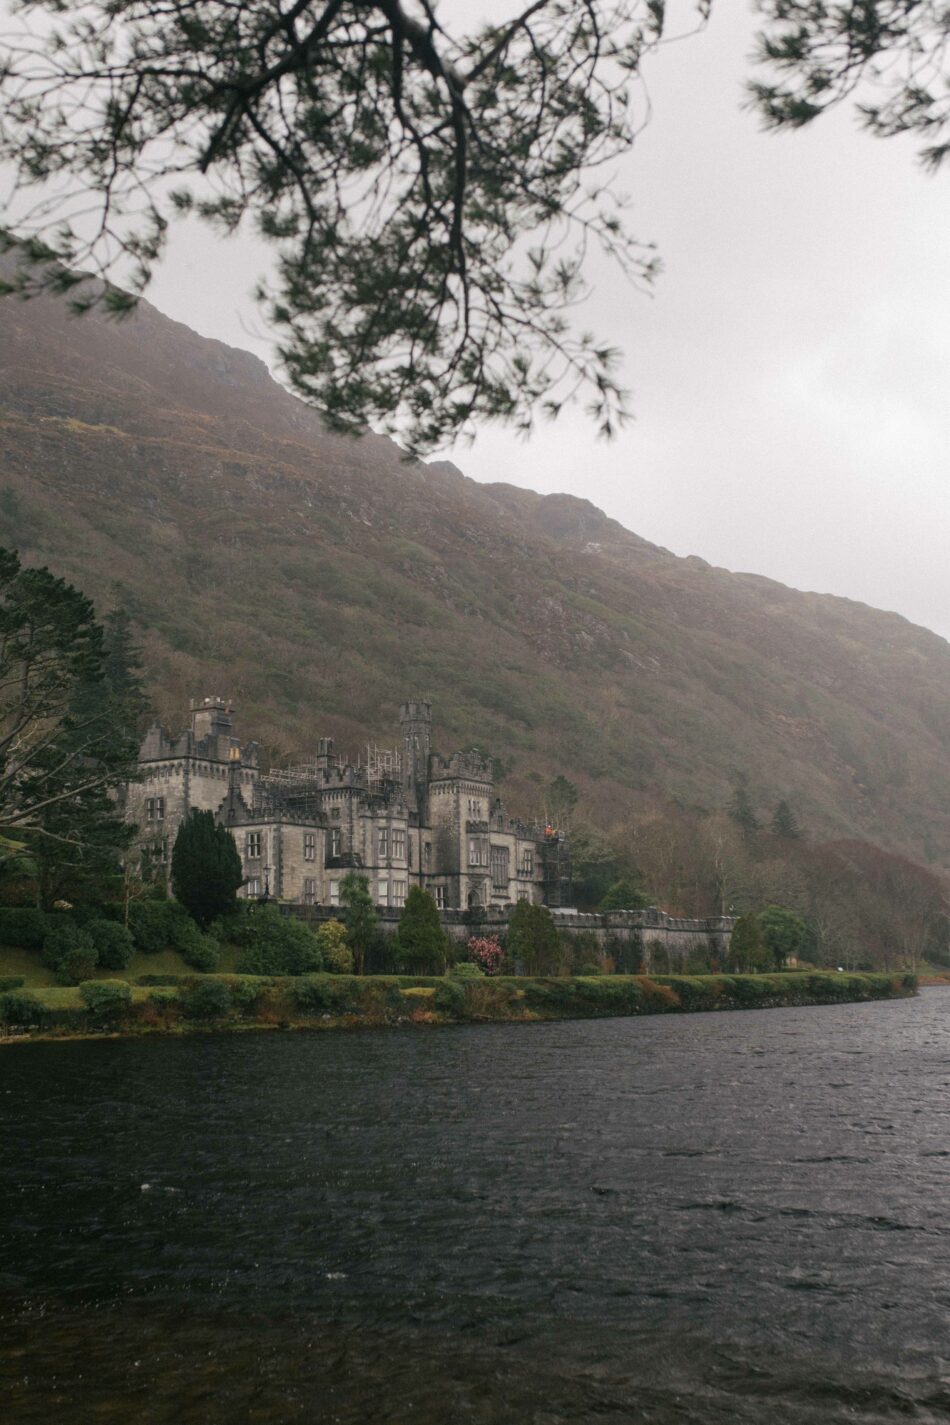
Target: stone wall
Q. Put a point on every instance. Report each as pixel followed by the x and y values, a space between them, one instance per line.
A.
pixel 674 937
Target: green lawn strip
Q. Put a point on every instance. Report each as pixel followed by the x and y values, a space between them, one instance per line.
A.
pixel 191 1001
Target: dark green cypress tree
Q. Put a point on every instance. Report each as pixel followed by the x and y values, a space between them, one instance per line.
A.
pixel 533 941
pixel 360 918
pixel 206 868
pixel 422 943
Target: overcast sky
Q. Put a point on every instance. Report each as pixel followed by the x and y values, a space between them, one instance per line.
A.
pixel 790 372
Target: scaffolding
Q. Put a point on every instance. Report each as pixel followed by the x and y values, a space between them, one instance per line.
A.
pixel 383 766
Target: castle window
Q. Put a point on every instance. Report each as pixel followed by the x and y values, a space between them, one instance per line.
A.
pixel 334 813
pixel 310 846
pixel 334 893
pixel 399 893
pixel 477 851
pixel 309 891
pixel 499 866
pixel 426 852
pixel 399 842
pixel 440 897
pixel 253 886
pixel 382 892
pixel 154 809
pixel 336 841
pixel 382 844
pixel 527 862
pixel 252 845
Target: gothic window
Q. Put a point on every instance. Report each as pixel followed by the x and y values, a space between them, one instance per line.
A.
pixel 336 841
pixel 309 891
pixel 382 892
pixel 499 866
pixel 398 893
pixel 334 893
pixel 334 813
pixel 399 842
pixel 382 845
pixel 252 845
pixel 426 852
pixel 440 897
pixel 154 809
pixel 253 886
pixel 310 846
pixel 527 862
pixel 477 851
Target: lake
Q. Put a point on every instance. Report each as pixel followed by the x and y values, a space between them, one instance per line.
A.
pixel 688 1218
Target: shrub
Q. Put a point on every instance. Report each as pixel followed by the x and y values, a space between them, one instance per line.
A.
pixel 275 944
pixel 246 990
pixel 23 926
pixel 68 950
pixel 593 967
pixel 20 1007
pixel 198 950
pixel 166 998
pixel 465 970
pixel 12 982
pixel 113 944
pixel 319 994
pixel 450 997
pixel 77 965
pixel 208 999
pixel 162 980
pixel 337 955
pixel 486 952
pixel 106 998
pixel 62 936
pixel 152 924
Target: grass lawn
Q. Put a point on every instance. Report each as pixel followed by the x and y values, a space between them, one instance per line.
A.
pixel 27 963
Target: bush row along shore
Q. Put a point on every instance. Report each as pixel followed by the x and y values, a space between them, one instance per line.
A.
pixel 177 1004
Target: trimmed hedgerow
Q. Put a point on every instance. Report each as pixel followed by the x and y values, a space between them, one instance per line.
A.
pixel 106 998
pixel 21 1007
pixel 209 998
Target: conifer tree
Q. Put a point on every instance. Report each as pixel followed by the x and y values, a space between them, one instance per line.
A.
pixel 360 919
pixel 785 822
pixel 742 811
pixel 423 945
pixel 533 940
pixel 206 868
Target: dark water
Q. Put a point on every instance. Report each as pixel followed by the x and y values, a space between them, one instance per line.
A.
pixel 706 1218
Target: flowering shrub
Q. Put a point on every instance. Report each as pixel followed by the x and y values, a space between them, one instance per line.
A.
pixel 486 952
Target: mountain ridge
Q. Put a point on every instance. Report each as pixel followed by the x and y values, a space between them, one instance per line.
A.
pixel 317 579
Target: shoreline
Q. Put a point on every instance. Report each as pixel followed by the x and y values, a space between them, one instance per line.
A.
pixel 228 1004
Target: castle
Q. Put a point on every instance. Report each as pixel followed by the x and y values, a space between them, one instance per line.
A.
pixel 400 817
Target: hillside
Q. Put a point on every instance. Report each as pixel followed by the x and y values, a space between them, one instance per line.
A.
pixel 317 581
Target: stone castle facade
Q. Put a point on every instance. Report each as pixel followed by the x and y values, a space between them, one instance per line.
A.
pixel 401 817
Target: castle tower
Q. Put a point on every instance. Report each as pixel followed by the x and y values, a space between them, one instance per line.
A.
pixel 211 716
pixel 415 722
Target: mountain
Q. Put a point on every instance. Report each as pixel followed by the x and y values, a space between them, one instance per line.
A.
pixel 318 580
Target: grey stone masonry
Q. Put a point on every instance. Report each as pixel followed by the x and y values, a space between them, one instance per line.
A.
pixel 401 816
pixel 656 935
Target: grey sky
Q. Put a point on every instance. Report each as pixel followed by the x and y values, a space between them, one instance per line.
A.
pixel 789 373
